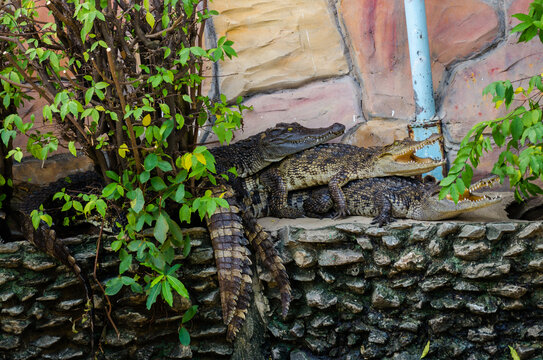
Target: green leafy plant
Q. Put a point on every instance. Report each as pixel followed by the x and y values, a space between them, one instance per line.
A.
pixel 520 132
pixel 123 80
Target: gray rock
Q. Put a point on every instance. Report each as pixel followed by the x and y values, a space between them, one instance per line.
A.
pixel 440 323
pixel 513 305
pixel 462 285
pixel 215 330
pixel 381 259
pixel 364 242
pixel 298 329
pixel 404 283
pixel 46 341
pixel 303 275
pixel 38 263
pixel 434 283
pixel 10 248
pixel 215 348
pixel 536 264
pixel 201 255
pixel 481 335
pixel 181 352
pixel 210 298
pixel 55 322
pixel 472 232
pixel 328 277
pixel 471 251
pixel 483 306
pixel 338 257
pixel 378 337
pixel 322 236
pixel 9 342
pixel 515 249
pixel 447 229
pixel 357 285
pixel 509 290
pixel 131 317
pixel 494 232
pixel 320 298
pixel 304 257
pixel 7 275
pixel 376 231
pixel 391 241
pixel 535 332
pixel 14 326
pixel 350 229
pixel 298 354
pixel 383 298
pixel 316 345
pixel 486 270
pixel 69 304
pixel 352 305
pixel 14 310
pixel 410 325
pixel 126 337
pixel 322 320
pixel 421 233
pixel 413 260
pixel 436 247
pixel 533 229
pixel 10 260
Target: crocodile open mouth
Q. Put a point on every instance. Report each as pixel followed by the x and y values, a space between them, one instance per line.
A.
pixel 408 155
pixel 468 194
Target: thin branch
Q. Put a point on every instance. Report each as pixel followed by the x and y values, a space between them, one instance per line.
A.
pixel 15 83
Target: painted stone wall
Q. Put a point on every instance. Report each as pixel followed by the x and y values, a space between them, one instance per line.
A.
pixel 360 292
pixel 322 61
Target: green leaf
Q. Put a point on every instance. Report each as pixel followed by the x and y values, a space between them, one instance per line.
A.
pixel 151 298
pixel 113 286
pixel 126 261
pixel 186 246
pixel 109 190
pixel 167 292
pixel 158 184
pixel 177 286
pixel 161 228
pixel 177 238
pixel 151 161
pixel 184 337
pixel 426 350
pixel 71 147
pixel 185 214
pixel 150 19
pixel 189 314
pixel 138 202
pixel 516 128
pixel 144 176
pixel 514 353
pixel 179 193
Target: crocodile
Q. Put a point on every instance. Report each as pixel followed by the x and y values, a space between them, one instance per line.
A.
pixel 387 198
pixel 226 226
pixel 336 164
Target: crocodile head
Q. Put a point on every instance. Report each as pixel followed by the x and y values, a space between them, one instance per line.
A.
pixel 431 208
pixel 399 158
pixel 288 138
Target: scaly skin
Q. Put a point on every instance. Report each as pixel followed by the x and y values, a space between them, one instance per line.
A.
pixel 233 266
pixel 388 198
pixel 336 164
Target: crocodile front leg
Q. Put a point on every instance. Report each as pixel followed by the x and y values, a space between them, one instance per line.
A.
pixel 277 187
pixel 384 211
pixel 334 186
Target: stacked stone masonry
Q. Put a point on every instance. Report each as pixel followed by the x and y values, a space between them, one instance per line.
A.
pixel 360 292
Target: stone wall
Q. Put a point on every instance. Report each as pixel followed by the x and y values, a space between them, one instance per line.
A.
pixel 325 61
pixel 360 292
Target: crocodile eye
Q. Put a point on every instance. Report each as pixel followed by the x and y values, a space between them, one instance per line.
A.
pixel 289 129
pixel 396 142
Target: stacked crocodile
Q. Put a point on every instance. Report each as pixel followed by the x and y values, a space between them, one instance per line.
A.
pixel 360 182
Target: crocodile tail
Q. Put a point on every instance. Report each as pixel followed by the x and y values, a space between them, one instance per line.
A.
pixel 265 250
pixel 45 239
pixel 244 300
pixel 231 254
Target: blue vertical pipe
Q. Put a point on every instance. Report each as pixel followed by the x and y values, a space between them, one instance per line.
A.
pixel 421 72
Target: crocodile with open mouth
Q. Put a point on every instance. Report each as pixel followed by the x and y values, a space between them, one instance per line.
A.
pixel 387 198
pixel 337 164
